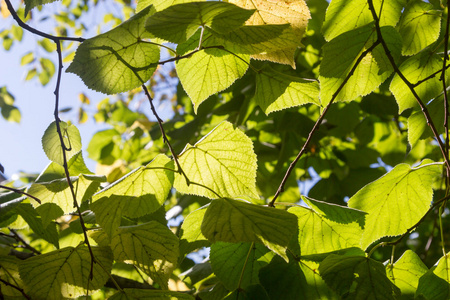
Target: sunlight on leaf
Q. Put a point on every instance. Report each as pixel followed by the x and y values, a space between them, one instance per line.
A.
pixel 9 272
pixel 435 284
pixel 229 220
pixel 51 142
pixel 418 128
pixel 118 60
pixel 66 272
pixel 191 236
pixel 223 161
pixel 396 201
pixel 140 294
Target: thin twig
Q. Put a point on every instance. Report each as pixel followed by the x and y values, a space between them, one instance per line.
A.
pixel 20 192
pixel 165 139
pixel 15 287
pixel 318 122
pixel 18 238
pixel 408 84
pixel 37 32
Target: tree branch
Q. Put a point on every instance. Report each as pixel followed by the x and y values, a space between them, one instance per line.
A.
pixel 20 192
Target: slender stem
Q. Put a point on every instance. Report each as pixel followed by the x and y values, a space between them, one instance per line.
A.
pixel 319 121
pixel 375 248
pixel 21 240
pixel 37 32
pixel 408 84
pixel 165 139
pixel 14 286
pixel 20 192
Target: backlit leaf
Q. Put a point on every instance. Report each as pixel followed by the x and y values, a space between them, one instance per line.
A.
pixel 341 54
pixel 435 284
pixel 52 143
pixel 276 91
pixel 208 71
pixel 294 13
pixel 238 264
pixel 179 22
pixel 191 236
pixel 396 201
pixel 341 15
pixel 141 294
pixel 419 26
pixel 149 246
pixel 66 272
pixel 416 69
pixel 327 227
pixel 357 277
pixel 139 193
pixel 9 272
pixel 118 60
pixel 222 161
pixel 233 221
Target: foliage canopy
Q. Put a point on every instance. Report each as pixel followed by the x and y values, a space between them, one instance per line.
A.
pixel 346 97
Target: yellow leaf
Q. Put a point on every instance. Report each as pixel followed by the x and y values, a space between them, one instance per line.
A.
pixel 294 12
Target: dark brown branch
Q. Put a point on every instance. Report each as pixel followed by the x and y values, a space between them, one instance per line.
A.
pixel 165 139
pixel 408 84
pixel 18 238
pixel 37 32
pixel 20 192
pixel 15 287
pixel 318 122
pixel 444 84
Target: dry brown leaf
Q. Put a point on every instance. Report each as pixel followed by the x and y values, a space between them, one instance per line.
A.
pixel 294 12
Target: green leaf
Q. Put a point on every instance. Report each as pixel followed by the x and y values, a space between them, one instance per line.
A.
pixel 66 272
pixel 416 69
pixel 58 193
pixel 396 201
pixel 327 227
pixel 52 143
pixel 435 284
pixel 139 193
pixel 208 71
pixel 233 221
pixel 316 287
pixel 102 144
pixel 150 246
pixel 419 26
pixel 179 22
pixel 191 236
pixel 340 55
pixel 223 161
pixel 406 271
pixel 47 232
pixel 343 15
pixel 9 272
pixel 238 264
pixel 276 91
pixel 118 60
pixel 418 128
pixel 11 113
pixel 356 277
pixel 30 4
pixel 140 294
pixel 27 58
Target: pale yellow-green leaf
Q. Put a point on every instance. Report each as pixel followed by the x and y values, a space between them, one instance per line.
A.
pixel 221 164
pixel 9 272
pixel 65 272
pixel 295 13
pixel 52 144
pixel 191 236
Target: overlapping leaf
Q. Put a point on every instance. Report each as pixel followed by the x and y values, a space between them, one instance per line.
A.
pixel 208 71
pixel 223 161
pixel 396 201
pixel 140 294
pixel 118 60
pixel 419 26
pixel 343 15
pixel 418 128
pixel 9 273
pixel 340 56
pixel 179 22
pixel 417 68
pixel 151 246
pixel 276 91
pixel 294 13
pixel 238 264
pixel 191 236
pixel 159 5
pixel 66 272
pixel 435 284
pixel 327 227
pixel 356 277
pixel 140 192
pixel 233 221
pixel 406 271
pixel 51 142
